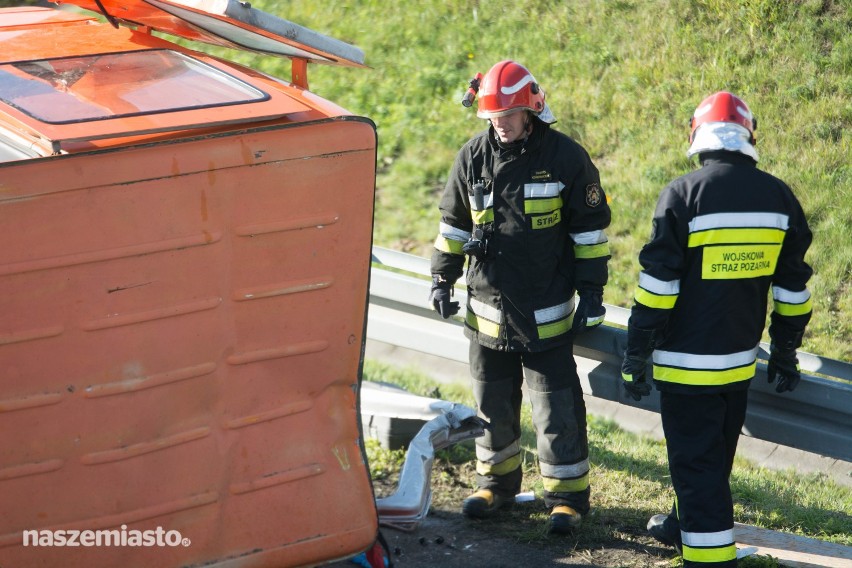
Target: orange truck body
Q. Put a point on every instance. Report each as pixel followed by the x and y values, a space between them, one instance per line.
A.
pixel 183 295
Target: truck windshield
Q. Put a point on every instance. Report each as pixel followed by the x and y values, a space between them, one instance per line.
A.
pixel 96 87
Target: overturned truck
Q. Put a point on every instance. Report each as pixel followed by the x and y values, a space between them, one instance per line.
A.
pixel 183 289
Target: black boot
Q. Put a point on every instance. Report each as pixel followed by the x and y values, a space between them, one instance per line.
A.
pixel 666 529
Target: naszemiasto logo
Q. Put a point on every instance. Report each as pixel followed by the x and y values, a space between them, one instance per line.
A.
pixel 123 537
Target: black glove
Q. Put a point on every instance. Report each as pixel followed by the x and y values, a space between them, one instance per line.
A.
pixel 783 364
pixel 442 291
pixel 633 378
pixel 590 312
pixel 640 345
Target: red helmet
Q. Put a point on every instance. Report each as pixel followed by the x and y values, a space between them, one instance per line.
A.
pixel 507 87
pixel 723 107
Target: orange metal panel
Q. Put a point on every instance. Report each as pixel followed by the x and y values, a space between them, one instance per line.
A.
pixel 26 16
pixel 181 335
pixel 229 23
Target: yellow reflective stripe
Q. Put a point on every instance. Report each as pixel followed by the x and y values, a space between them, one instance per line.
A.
pixel 591 251
pixel 549 330
pixel 704 378
pixel 652 300
pixel 482 217
pixel 739 261
pixel 723 554
pixel 565 485
pixel 733 236
pixel 785 309
pixel 502 468
pixel 449 245
pixel 626 377
pixel 542 205
pixel 482 325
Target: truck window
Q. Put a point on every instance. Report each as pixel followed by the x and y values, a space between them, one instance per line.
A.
pixel 114 85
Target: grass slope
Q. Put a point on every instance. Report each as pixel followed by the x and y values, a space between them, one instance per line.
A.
pixel 629 476
pixel 623 78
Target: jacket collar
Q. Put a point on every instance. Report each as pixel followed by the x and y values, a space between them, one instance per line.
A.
pixel 725 157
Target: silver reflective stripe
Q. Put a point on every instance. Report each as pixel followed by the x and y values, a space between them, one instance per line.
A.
pixel 594 320
pixel 589 238
pixel 660 287
pixel 564 471
pixel 546 315
pixel 789 297
pixel 739 220
pixel 690 361
pixel 487 456
pixel 487 202
pixel 551 189
pixel 720 538
pixel 450 232
pixel 483 310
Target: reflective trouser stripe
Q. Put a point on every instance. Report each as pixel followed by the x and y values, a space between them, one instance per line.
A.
pixel 722 554
pixel 483 454
pixel 708 539
pixel 565 485
pixel 502 468
pixel 565 471
pixel 565 478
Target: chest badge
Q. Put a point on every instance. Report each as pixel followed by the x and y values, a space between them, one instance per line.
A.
pixel 594 195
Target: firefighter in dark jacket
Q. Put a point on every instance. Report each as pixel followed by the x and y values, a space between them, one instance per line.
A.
pixel 723 236
pixel 524 206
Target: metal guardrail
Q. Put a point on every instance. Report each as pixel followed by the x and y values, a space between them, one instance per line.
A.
pixel 816 417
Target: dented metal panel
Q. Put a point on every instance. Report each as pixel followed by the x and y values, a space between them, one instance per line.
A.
pixel 181 349
pixel 182 315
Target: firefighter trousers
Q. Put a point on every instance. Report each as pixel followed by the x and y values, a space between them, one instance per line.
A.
pixel 558 414
pixel 702 431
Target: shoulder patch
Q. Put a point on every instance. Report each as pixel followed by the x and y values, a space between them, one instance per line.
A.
pixel 594 195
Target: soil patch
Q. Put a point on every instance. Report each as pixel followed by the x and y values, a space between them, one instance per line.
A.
pixel 516 537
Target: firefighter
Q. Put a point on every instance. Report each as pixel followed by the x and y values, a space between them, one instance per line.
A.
pixel 722 237
pixel 524 206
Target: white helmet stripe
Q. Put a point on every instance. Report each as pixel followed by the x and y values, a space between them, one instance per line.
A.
pixel 512 89
pixel 702 110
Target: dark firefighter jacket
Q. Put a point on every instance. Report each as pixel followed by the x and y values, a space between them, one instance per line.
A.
pixel 542 214
pixel 722 236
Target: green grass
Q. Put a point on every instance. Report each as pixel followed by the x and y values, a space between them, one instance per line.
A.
pixel 622 77
pixel 630 478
